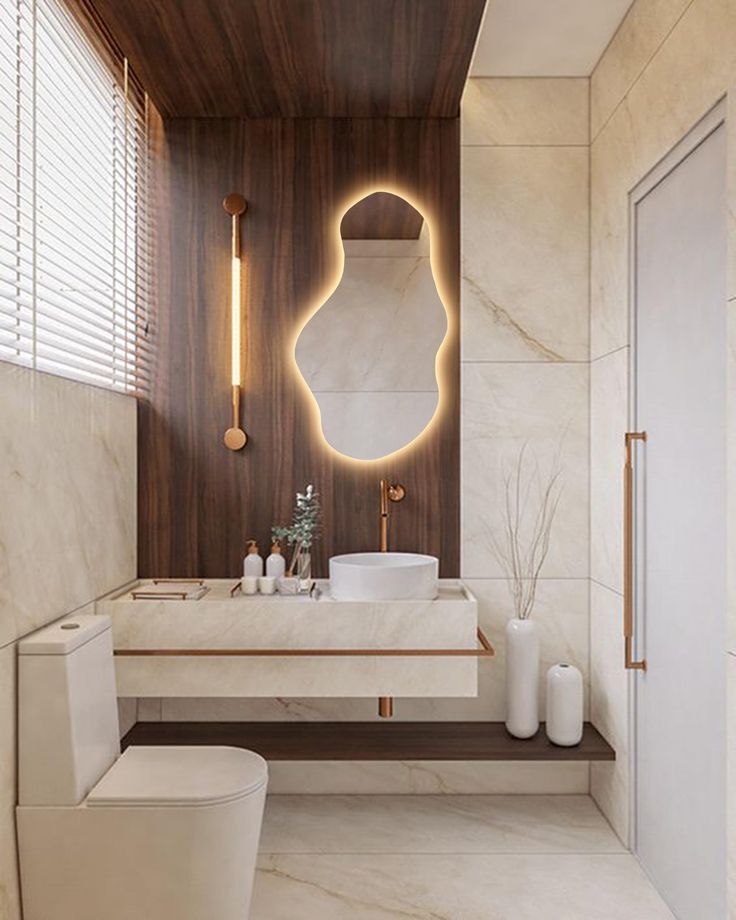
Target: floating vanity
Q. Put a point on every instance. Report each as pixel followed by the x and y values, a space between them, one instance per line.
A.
pixel 209 640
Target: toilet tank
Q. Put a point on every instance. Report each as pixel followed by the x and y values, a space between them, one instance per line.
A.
pixel 68 734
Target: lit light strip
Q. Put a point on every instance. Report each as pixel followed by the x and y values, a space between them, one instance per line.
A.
pixel 235 438
pixel 235 313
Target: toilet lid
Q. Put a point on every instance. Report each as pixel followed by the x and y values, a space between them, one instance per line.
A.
pixel 158 776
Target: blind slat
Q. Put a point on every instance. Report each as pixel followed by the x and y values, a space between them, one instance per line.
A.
pixel 75 245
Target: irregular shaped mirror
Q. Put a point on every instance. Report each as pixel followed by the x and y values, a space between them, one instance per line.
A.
pixel 369 353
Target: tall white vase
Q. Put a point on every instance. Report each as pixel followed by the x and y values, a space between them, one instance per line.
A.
pixel 564 723
pixel 522 678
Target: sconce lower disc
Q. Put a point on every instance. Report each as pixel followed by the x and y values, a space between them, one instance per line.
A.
pixel 235 439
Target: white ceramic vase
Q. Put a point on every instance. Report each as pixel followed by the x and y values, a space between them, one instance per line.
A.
pixel 564 705
pixel 522 678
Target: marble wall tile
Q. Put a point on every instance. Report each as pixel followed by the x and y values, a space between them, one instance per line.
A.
pixel 9 885
pixel 731 780
pixel 505 406
pixel 608 422
pixel 435 824
pixel 427 777
pixel 524 254
pixel 642 31
pixel 524 111
pixel 442 887
pixel 609 706
pixel 68 515
pixel 688 74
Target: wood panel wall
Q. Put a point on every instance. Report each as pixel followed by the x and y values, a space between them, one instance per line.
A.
pixel 198 502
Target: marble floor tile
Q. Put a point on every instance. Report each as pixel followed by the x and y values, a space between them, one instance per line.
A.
pixel 487 887
pixel 453 824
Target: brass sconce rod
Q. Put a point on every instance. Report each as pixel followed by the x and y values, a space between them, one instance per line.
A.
pixel 235 437
pixel 629 662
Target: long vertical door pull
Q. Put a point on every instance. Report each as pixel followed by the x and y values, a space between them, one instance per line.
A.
pixel 629 662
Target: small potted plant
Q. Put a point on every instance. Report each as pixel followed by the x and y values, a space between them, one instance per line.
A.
pixel 300 536
pixel 531 501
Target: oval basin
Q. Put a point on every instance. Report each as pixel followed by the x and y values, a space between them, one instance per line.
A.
pixel 383 577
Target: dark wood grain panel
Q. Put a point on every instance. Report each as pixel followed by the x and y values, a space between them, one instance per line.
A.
pixel 298 58
pixel 381 216
pixel 372 740
pixel 200 502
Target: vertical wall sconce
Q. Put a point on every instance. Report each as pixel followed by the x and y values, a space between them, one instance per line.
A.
pixel 235 438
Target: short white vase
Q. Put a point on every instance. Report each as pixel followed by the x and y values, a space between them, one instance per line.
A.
pixel 564 724
pixel 522 678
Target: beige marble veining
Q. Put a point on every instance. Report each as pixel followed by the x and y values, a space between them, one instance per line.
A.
pixel 505 406
pixel 425 777
pixel 562 616
pixel 435 824
pixel 515 886
pixel 68 514
pixel 608 422
pixel 609 705
pixel 219 621
pixel 9 885
pixel 524 111
pixel 642 31
pixel 524 254
pixel 685 78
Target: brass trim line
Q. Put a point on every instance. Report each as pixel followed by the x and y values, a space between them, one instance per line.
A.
pixel 630 663
pixel 486 650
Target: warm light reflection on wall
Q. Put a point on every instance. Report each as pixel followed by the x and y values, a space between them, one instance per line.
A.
pixel 329 289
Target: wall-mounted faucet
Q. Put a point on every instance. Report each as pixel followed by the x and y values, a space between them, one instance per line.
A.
pixel 390 492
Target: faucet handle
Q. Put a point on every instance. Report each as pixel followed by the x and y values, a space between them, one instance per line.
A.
pixel 396 492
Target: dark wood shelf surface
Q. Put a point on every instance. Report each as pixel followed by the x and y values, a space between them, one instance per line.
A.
pixel 371 740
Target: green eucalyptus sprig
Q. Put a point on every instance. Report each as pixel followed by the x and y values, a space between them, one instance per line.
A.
pixel 305 525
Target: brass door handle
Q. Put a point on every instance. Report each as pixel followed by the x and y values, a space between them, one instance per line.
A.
pixel 629 662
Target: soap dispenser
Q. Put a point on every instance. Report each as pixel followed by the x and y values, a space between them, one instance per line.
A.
pixel 276 564
pixel 253 562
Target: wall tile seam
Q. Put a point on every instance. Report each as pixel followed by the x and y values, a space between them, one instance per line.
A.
pixel 602 584
pixel 607 354
pixel 639 75
pixel 68 613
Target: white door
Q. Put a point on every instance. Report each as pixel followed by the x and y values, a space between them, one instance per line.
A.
pixel 679 377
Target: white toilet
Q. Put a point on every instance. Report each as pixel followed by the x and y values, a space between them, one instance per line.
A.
pixel 157 833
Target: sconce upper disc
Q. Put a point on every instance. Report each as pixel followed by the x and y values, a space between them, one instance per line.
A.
pixel 234 204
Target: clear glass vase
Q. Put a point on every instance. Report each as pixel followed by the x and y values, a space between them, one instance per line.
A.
pixel 303 569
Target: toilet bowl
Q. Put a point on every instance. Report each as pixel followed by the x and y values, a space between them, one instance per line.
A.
pixel 152 834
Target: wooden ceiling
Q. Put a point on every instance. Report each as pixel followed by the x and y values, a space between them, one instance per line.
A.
pixel 298 58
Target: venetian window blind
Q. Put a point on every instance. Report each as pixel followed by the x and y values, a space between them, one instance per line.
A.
pixel 75 253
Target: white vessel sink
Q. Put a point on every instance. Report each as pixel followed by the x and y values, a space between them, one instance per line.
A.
pixel 383 577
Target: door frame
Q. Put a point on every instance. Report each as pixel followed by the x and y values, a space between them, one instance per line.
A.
pixel 700 132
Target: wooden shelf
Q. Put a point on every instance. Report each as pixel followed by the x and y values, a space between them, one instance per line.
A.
pixel 371 740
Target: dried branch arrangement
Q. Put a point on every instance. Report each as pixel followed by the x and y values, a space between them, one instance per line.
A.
pixel 530 506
